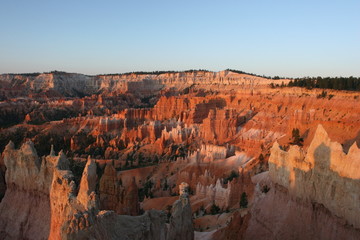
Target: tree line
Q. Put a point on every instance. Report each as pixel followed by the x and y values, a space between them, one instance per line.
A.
pixel 155 72
pixel 337 83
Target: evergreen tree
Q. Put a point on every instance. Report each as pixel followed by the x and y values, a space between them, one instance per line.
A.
pixel 296 139
pixel 243 200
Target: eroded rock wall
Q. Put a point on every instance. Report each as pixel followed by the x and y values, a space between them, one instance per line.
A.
pixel 25 208
pixel 324 174
pixel 310 194
pixel 278 215
pixel 42 202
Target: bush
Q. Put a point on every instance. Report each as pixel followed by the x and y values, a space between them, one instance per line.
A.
pixel 265 189
pixel 214 209
pixel 322 95
pixel 243 200
pixel 145 191
pixel 296 139
pixel 231 176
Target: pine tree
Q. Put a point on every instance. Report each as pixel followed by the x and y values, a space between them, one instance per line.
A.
pixel 243 200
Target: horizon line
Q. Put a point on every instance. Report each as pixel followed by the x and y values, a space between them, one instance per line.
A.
pixel 159 72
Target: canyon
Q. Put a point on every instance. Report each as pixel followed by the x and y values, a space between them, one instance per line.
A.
pixel 176 155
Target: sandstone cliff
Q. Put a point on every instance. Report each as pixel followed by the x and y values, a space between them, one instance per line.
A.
pixel 73 84
pixel 325 174
pixel 313 193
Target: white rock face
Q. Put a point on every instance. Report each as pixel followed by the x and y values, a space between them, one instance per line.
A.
pixel 72 84
pixel 214 193
pixel 324 174
pixel 68 84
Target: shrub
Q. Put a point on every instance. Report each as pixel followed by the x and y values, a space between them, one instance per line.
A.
pixel 231 176
pixel 145 191
pixel 296 139
pixel 265 189
pixel 243 200
pixel 322 95
pixel 214 209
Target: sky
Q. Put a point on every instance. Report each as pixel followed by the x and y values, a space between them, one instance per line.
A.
pixel 285 38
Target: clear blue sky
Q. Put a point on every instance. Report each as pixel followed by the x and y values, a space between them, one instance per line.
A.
pixel 286 38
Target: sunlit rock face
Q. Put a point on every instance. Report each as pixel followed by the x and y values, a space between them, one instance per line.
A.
pixel 26 201
pixel 313 193
pixel 324 174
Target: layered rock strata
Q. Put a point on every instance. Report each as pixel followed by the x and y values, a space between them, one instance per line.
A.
pixel 72 84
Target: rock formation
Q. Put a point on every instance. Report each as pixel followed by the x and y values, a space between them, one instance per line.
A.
pixel 313 193
pixel 110 189
pixel 72 84
pixel 325 175
pixel 25 208
pixel 114 196
pixel 181 226
pixel 55 210
pixel 216 194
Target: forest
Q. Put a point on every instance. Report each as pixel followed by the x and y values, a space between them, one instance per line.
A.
pixel 337 83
